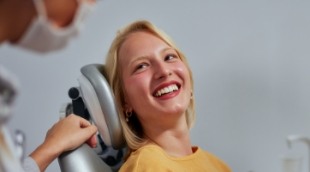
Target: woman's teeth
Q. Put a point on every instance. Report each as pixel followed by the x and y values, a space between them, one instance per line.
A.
pixel 166 90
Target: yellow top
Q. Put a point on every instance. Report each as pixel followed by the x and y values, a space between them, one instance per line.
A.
pixel 152 158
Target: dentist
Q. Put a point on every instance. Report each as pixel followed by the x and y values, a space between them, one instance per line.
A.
pixel 28 24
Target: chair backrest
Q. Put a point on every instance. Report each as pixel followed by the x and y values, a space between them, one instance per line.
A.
pixel 99 100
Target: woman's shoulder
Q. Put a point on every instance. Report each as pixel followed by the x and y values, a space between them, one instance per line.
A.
pixel 214 160
pixel 143 158
pixel 147 152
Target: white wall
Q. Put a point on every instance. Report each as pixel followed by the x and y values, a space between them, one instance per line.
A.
pixel 250 61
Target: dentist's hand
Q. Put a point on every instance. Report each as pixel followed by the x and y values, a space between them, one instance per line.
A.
pixel 71 132
pixel 67 134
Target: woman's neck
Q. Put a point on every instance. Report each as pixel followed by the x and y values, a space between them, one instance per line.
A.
pixel 174 140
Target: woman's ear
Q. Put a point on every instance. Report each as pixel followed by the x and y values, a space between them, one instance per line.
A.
pixel 128 112
pixel 127 107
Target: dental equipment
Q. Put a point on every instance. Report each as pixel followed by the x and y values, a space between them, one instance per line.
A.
pixel 10 159
pixel 8 92
pixel 94 101
pixel 298 138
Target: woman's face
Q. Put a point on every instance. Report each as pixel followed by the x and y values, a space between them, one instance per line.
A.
pixel 156 82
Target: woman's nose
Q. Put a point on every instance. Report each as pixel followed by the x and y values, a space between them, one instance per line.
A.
pixel 162 70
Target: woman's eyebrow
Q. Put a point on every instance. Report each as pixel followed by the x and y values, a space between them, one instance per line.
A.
pixel 168 49
pixel 137 59
pixel 143 57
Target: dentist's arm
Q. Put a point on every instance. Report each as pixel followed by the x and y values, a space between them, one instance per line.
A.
pixel 65 135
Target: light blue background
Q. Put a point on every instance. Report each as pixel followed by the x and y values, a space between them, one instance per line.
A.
pixel 250 60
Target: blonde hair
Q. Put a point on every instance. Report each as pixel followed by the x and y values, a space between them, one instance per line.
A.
pixel 133 131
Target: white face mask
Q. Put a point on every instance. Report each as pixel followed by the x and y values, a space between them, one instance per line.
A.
pixel 42 36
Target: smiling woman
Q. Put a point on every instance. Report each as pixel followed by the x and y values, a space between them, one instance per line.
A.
pixel 153 86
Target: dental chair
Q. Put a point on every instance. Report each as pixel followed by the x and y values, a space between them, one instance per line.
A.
pixel 94 101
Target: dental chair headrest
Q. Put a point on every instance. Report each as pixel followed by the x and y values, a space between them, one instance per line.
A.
pixel 99 100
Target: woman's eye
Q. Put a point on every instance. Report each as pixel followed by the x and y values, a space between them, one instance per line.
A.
pixel 170 57
pixel 140 66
